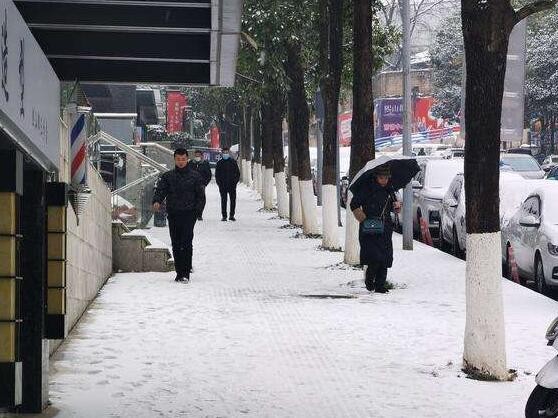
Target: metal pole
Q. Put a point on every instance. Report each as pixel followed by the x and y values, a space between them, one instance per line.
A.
pixel 407 148
pixel 320 162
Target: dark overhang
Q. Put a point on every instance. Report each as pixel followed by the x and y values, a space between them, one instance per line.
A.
pixel 138 41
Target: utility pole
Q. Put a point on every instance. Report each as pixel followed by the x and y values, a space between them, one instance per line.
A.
pixel 407 148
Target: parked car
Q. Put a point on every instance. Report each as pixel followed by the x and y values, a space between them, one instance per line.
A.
pixel 453 153
pixel 549 162
pixel 522 164
pixel 552 173
pixel 429 188
pixel 453 228
pixel 452 218
pixel 532 233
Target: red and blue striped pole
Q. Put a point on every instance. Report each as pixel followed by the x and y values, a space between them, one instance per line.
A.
pixel 78 144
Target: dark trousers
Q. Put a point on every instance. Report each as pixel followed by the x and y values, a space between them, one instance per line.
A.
pixel 232 196
pixel 181 227
pixel 376 274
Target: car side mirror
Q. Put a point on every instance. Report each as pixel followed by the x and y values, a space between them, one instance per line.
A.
pixel 416 184
pixel 529 221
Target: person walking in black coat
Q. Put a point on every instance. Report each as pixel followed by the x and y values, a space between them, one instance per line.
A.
pixel 227 175
pixel 202 166
pixel 377 200
pixel 184 191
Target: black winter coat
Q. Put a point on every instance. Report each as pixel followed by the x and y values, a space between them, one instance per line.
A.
pixel 184 189
pixel 375 249
pixel 227 174
pixel 203 168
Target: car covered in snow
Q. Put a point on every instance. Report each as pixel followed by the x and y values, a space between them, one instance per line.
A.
pixel 532 234
pixel 522 164
pixel 429 188
pixel 453 233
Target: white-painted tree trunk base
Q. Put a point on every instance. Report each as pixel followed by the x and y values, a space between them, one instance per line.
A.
pixel 296 218
pixel 243 171
pixel 268 189
pixel 262 177
pixel 309 208
pixel 258 178
pixel 249 180
pixel 282 194
pixel 255 177
pixel 352 245
pixel 330 237
pixel 485 343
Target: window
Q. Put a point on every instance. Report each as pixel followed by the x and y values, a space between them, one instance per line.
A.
pixel 532 206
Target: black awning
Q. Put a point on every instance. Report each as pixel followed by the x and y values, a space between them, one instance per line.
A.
pixel 137 41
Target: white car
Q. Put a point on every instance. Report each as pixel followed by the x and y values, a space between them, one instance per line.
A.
pixel 522 164
pixel 453 227
pixel 429 188
pixel 532 233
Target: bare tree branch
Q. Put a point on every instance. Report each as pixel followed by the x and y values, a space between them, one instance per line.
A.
pixel 533 8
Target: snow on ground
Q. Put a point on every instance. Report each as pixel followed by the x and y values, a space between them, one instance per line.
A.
pixel 240 340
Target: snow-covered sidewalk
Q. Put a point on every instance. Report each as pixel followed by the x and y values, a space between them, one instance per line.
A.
pixel 245 339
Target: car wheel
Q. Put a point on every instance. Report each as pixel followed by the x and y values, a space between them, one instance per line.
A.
pixel 456 249
pixel 540 281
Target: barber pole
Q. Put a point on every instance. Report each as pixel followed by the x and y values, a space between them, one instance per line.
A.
pixel 79 194
pixel 78 143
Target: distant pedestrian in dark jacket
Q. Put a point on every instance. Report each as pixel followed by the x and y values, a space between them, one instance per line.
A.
pixel 201 166
pixel 227 175
pixel 183 188
pixel 376 250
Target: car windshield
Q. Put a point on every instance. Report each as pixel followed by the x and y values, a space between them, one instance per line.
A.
pixel 439 175
pixel 525 163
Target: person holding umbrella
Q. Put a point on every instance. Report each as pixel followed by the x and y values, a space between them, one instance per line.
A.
pixel 373 201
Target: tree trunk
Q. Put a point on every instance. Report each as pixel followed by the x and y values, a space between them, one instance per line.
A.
pixel 331 39
pixel 296 204
pixel 279 158
pixel 486 30
pixel 258 151
pixel 267 155
pixel 248 136
pixel 299 126
pixel 362 126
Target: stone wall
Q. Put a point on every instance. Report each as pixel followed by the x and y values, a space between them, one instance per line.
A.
pixel 89 244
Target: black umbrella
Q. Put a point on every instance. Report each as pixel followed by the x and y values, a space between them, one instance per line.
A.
pixel 403 169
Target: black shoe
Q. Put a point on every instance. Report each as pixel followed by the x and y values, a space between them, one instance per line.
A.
pixel 382 290
pixel 179 278
pixel 186 278
pixel 200 218
pixel 232 219
pixel 224 219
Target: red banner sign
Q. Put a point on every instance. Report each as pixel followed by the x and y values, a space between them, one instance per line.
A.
pixel 176 105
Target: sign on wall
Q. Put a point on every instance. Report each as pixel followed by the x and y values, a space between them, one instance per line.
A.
pixel 29 89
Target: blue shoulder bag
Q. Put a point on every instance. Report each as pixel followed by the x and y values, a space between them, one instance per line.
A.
pixel 375 224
